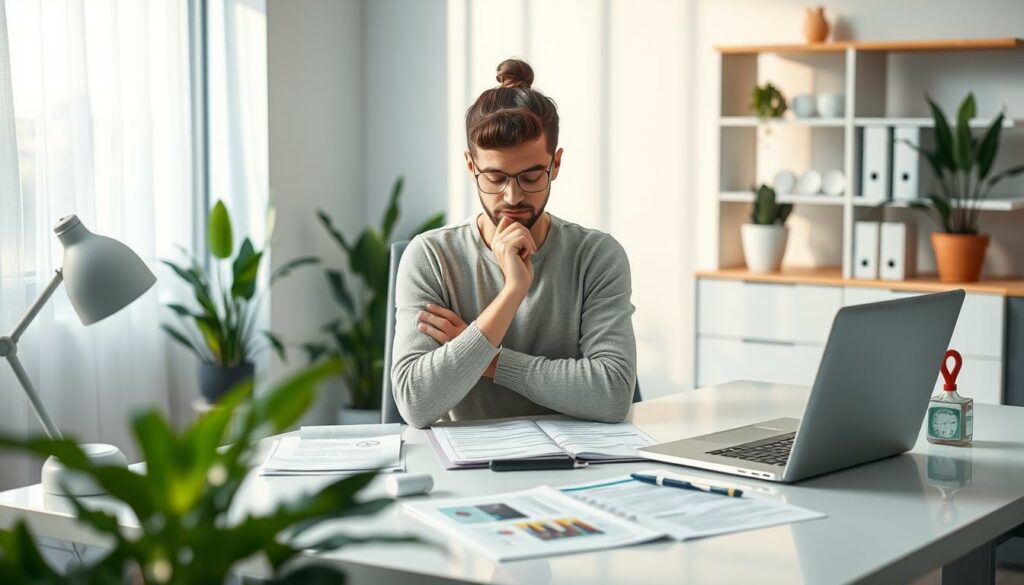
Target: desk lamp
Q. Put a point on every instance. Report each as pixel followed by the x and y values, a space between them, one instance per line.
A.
pixel 101 276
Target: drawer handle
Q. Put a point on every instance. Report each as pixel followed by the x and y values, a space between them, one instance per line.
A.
pixel 763 283
pixel 767 341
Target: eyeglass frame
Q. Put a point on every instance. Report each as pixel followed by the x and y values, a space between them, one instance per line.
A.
pixel 476 177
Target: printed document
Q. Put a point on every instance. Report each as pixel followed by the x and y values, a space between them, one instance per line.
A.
pixel 333 453
pixel 539 522
pixel 684 514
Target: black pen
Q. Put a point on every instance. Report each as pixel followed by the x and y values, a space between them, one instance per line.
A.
pixel 536 464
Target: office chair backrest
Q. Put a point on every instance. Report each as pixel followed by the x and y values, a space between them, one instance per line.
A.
pixel 389 409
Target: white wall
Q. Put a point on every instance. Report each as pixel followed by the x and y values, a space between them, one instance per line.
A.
pixel 405 93
pixel 317 153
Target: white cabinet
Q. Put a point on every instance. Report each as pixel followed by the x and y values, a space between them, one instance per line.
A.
pixel 770 332
pixel 721 360
pixel 767 312
pixel 979 328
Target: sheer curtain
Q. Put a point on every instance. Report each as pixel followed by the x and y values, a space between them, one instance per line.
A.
pixel 101 109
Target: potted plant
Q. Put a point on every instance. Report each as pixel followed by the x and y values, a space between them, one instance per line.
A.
pixel 764 238
pixel 962 166
pixel 221 332
pixel 767 102
pixel 182 500
pixel 357 338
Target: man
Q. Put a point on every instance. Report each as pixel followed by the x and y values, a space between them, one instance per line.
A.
pixel 514 312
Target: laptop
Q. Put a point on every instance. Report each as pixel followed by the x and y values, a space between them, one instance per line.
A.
pixel 867 402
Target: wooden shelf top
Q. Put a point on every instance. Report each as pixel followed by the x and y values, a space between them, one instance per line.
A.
pixel 833 276
pixel 899 46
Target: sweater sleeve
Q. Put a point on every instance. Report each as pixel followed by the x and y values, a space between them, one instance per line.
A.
pixel 599 385
pixel 428 380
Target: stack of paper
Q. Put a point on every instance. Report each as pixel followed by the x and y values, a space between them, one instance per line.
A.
pixel 337 450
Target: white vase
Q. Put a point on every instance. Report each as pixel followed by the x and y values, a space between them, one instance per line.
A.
pixel 763 246
pixel 358 416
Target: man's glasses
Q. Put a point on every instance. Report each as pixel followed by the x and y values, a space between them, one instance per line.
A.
pixel 532 181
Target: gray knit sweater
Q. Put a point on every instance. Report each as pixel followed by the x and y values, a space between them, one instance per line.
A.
pixel 570 347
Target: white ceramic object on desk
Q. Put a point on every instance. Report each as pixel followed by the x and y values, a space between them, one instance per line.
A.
pixel 831 105
pixel 763 246
pixel 833 183
pixel 804 106
pixel 809 183
pixel 784 182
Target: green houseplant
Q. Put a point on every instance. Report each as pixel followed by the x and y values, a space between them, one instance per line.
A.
pixel 220 329
pixel 184 534
pixel 767 101
pixel 764 237
pixel 357 337
pixel 962 166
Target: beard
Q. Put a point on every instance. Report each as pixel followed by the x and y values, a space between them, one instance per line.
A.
pixel 527 221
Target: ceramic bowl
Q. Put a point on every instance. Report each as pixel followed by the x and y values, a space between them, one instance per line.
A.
pixel 804 106
pixel 784 182
pixel 831 105
pixel 809 183
pixel 833 183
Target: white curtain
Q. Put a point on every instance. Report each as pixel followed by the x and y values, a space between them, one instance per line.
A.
pixel 101 108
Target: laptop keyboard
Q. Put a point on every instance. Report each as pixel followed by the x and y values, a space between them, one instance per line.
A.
pixel 773 450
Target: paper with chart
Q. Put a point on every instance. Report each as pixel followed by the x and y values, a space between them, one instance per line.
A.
pixel 533 523
pixel 294 455
pixel 685 514
pixel 476 444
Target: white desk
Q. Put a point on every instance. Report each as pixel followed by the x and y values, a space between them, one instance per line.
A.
pixel 888 521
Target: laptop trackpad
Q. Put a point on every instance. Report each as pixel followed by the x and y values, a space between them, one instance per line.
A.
pixel 745 434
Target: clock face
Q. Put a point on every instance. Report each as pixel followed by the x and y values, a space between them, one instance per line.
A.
pixel 945 423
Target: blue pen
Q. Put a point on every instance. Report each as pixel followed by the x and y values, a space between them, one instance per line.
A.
pixel 686 485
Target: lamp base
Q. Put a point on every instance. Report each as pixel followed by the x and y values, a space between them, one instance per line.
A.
pixel 61 481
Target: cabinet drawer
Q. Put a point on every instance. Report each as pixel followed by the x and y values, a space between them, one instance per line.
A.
pixel 980 379
pixel 979 329
pixel 725 360
pixel 765 311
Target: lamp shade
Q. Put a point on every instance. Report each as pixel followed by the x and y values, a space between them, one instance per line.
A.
pixel 101 275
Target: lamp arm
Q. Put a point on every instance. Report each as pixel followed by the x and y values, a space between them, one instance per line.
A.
pixel 37 306
pixel 44 417
pixel 9 350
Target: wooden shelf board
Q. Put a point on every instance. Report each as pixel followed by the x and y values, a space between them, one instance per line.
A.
pixel 898 46
pixel 833 276
pixel 753 122
pixel 990 204
pixel 927 122
pixel 748 196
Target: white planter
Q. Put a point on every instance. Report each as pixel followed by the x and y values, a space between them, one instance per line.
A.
pixel 763 246
pixel 358 416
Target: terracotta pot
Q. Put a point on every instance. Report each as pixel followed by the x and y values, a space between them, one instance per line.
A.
pixel 959 256
pixel 815 25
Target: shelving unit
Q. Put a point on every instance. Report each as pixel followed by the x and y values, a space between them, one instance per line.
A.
pixel 773 327
pixel 883 84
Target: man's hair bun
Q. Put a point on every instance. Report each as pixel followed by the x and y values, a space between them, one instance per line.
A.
pixel 515 73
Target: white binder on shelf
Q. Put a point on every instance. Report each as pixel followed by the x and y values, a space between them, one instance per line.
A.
pixel 865 250
pixel 875 164
pixel 905 163
pixel 897 257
